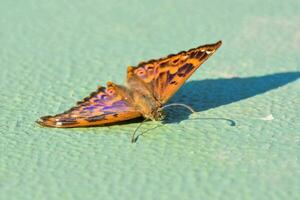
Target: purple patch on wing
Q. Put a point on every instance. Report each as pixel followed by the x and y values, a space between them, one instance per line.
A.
pixel 100 104
pixel 90 108
pixel 118 105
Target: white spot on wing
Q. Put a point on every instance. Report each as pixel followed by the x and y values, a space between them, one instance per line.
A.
pixel 58 123
pixel 209 52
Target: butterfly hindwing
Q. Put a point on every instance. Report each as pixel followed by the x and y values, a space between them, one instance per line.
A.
pixel 104 106
pixel 165 76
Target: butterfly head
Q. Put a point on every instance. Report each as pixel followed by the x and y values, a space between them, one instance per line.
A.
pixel 156 115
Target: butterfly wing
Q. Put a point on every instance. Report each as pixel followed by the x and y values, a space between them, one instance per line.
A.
pixel 165 76
pixel 104 106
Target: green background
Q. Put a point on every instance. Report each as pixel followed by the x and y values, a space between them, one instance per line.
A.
pixel 53 53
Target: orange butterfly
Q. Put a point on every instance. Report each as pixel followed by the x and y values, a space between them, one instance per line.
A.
pixel 149 86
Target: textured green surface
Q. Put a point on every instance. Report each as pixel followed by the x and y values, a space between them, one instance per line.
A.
pixel 54 53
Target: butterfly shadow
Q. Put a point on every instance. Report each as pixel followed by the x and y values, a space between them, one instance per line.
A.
pixel 211 93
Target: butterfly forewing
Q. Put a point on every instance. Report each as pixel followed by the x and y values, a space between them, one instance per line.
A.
pixel 166 75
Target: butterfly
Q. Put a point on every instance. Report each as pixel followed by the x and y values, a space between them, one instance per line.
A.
pixel 149 86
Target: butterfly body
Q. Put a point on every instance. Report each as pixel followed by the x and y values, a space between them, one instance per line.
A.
pixel 143 99
pixel 137 95
pixel 148 87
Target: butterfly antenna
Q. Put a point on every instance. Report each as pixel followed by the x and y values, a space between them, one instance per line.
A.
pixel 133 138
pixel 179 104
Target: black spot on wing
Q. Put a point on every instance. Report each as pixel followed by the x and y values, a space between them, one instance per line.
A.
pixel 163 64
pixel 200 54
pixel 170 76
pixel 95 118
pixel 67 120
pixel 193 54
pixel 185 69
pixel 173 82
pixel 68 123
pixel 175 61
pixel 197 54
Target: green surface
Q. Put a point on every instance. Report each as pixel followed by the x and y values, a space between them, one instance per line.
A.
pixel 54 53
